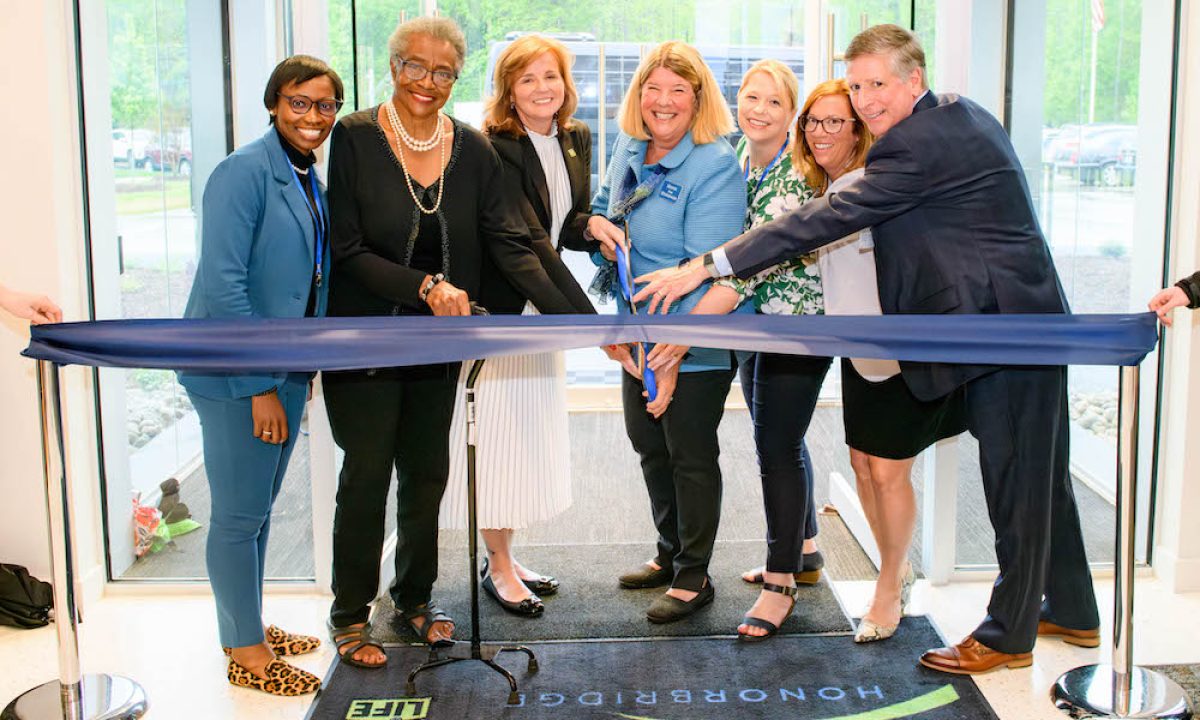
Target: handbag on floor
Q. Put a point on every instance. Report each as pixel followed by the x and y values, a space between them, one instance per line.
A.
pixel 25 601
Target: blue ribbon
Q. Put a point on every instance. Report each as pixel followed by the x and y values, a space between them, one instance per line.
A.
pixel 307 344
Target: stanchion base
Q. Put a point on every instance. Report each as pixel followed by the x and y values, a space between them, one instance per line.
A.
pixel 105 697
pixel 1087 692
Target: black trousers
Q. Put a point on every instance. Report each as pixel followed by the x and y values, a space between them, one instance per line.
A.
pixel 1020 418
pixel 397 418
pixel 781 392
pixel 679 454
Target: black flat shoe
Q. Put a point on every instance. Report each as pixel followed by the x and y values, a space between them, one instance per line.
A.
pixel 541 585
pixel 527 607
pixel 667 609
pixel 646 577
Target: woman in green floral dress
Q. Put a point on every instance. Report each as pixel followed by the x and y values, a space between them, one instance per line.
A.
pixel 780 390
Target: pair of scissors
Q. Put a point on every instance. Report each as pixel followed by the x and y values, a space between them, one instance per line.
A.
pixel 625 278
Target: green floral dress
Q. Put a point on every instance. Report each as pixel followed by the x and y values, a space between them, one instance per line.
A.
pixel 792 287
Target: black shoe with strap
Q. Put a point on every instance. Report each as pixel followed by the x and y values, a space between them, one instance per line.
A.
pixel 771 628
pixel 667 608
pixel 349 639
pixel 431 614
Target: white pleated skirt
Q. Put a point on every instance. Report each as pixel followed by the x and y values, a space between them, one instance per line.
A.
pixel 522 456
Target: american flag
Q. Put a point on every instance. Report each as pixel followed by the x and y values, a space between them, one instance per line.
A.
pixel 1097 15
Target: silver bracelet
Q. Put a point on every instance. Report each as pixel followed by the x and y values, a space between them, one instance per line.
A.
pixel 433 280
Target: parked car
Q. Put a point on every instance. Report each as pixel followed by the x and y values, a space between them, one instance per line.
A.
pixel 175 157
pixel 129 146
pixel 1092 152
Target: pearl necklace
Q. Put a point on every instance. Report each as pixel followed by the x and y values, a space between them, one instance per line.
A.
pixel 414 144
pixel 397 129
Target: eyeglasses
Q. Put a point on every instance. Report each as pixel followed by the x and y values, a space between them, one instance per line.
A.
pixel 301 104
pixel 833 125
pixel 416 71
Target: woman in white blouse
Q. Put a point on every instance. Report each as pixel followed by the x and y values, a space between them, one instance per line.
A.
pixel 522 444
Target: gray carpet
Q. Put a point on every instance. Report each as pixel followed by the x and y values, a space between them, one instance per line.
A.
pixel 795 676
pixel 590 604
pixel 1188 677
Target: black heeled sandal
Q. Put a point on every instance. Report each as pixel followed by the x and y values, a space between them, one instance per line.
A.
pixel 771 628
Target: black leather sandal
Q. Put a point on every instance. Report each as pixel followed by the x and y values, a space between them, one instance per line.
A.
pixel 431 614
pixel 771 628
pixel 350 639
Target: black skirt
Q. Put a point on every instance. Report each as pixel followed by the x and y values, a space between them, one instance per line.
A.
pixel 885 419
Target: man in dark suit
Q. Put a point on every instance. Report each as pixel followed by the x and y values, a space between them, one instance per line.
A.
pixel 955 232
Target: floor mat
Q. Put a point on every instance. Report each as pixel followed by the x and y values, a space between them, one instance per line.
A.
pixel 590 604
pixel 821 677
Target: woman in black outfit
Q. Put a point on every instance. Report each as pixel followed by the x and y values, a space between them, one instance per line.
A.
pixel 417 201
pixel 522 442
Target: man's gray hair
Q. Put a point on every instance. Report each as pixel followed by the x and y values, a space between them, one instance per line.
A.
pixel 901 45
pixel 439 28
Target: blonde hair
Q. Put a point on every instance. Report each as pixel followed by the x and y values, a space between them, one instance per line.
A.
pixel 901 45
pixel 712 119
pixel 499 115
pixel 439 28
pixel 785 79
pixel 802 155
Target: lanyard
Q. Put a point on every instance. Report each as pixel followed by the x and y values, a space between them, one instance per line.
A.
pixel 318 219
pixel 766 171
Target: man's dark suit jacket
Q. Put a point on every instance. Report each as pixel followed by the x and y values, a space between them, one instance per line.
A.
pixel 954 227
pixel 524 177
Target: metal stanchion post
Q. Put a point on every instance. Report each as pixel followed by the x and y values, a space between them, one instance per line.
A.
pixel 487 656
pixel 72 696
pixel 1122 690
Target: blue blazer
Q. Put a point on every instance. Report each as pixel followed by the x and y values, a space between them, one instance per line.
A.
pixel 954 226
pixel 257 254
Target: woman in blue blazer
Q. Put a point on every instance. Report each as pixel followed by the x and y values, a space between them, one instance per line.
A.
pixel 263 253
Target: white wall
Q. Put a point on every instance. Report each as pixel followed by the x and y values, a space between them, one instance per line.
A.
pixel 1177 545
pixel 42 249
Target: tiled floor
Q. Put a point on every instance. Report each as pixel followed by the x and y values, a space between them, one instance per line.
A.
pixel 167 642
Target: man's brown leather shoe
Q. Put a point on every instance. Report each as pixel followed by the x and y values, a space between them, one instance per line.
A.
pixel 971 657
pixel 1082 638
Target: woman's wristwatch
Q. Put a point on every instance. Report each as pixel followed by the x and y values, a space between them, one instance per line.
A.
pixel 423 293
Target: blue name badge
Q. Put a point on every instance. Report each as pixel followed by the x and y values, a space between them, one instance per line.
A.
pixel 670 191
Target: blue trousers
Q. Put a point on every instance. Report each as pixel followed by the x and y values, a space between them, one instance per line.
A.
pixel 781 392
pixel 244 477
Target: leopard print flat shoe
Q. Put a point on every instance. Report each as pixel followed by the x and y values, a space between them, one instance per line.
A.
pixel 284 643
pixel 282 679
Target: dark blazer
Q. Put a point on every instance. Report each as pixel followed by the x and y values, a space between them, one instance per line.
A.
pixel 524 176
pixel 257 254
pixel 954 226
pixel 372 224
pixel 1191 287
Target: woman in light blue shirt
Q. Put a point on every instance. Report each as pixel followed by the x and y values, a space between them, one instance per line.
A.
pixel 675 181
